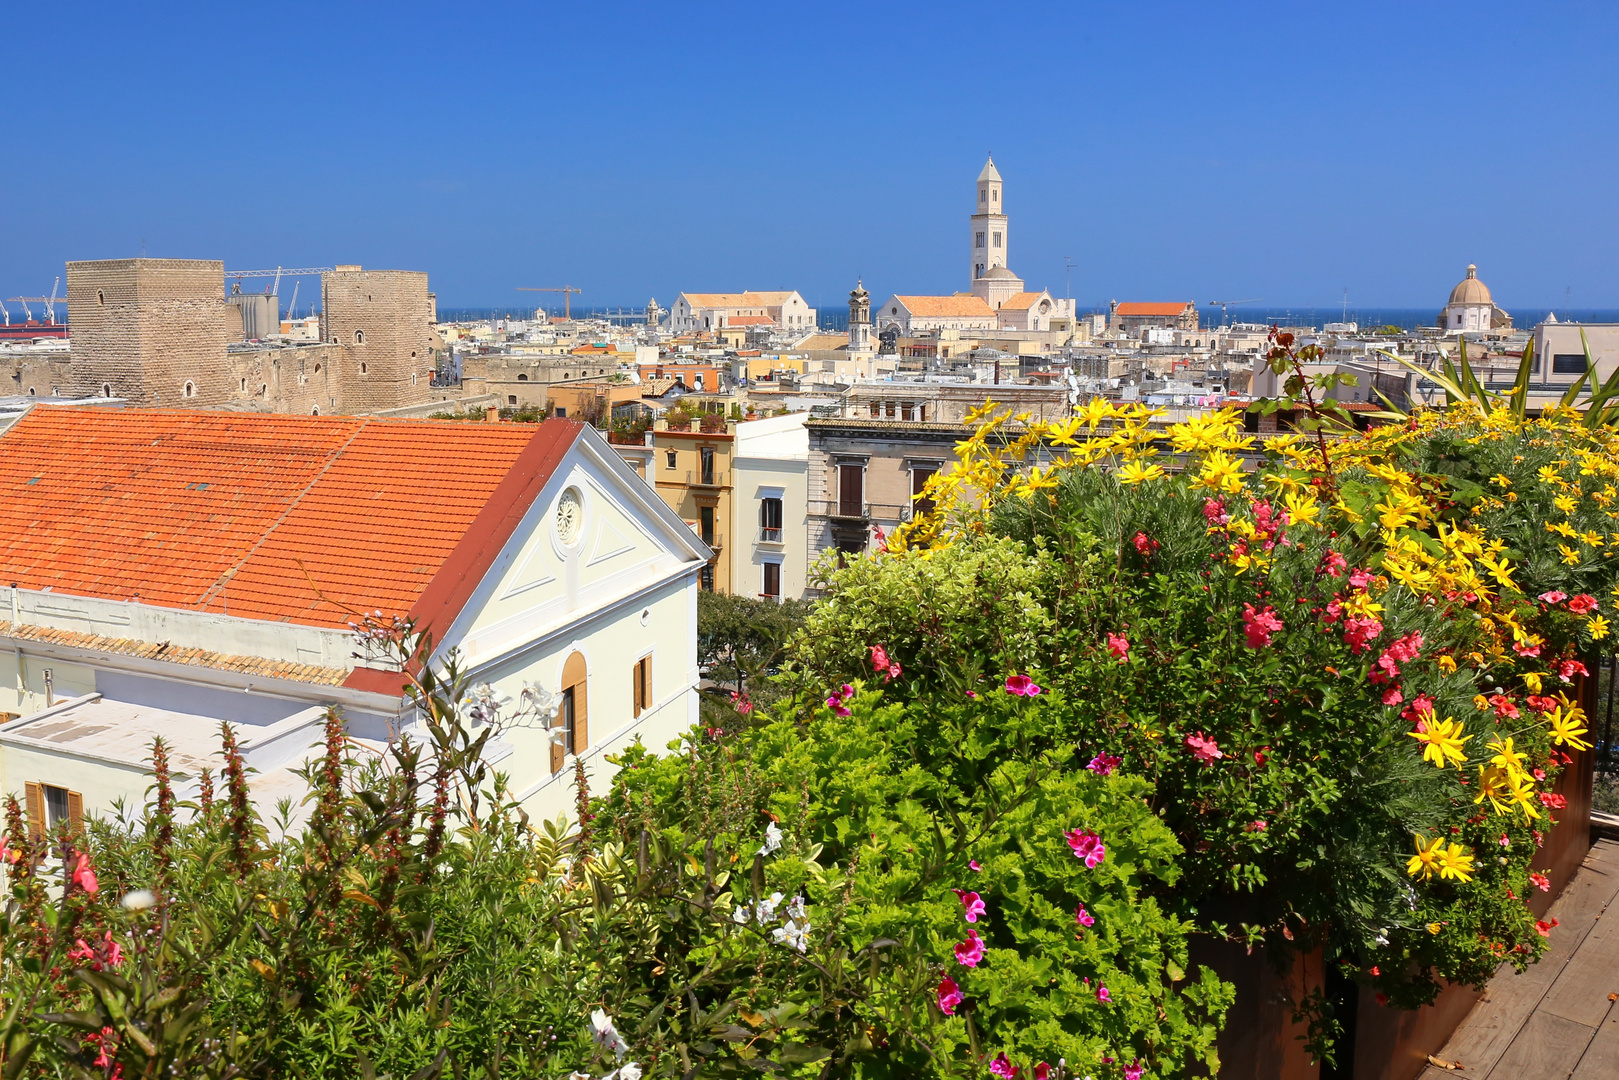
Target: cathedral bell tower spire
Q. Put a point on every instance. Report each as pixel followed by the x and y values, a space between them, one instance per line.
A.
pixel 989 233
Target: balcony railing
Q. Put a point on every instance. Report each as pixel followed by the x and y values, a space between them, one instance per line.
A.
pixel 768 535
pixel 713 478
pixel 837 508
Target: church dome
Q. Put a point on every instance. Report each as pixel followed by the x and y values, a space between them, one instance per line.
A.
pixel 999 272
pixel 1470 290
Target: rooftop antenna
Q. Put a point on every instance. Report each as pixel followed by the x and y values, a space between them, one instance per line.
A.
pixel 1068 268
pixel 1346 305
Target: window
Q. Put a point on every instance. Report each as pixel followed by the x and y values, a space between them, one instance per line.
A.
pixel 994 196
pixel 997 239
pixel 362 367
pixel 705 528
pixel 670 459
pixel 51 807
pixel 101 297
pixel 707 454
pixel 315 411
pixel 980 239
pixel 573 714
pixel 561 412
pixel 851 490
pixel 919 479
pixel 244 388
pixel 511 399
pixel 359 337
pixel 1568 364
pixel 189 390
pixel 705 577
pixel 770 520
pixel 522 378
pixel 772 587
pixel 983 196
pixel 641 682
pixel 106 388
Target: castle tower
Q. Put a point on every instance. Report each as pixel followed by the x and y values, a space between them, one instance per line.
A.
pixel 860 321
pixel 385 318
pixel 988 223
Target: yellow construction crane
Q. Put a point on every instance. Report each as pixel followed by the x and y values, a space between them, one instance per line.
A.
pixel 565 290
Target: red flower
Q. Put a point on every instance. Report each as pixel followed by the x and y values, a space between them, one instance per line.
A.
pixel 1553 597
pixel 1214 512
pixel 1087 846
pixel 1021 685
pixel 1003 1068
pixel 1259 625
pixel 1421 708
pixel 84 877
pixel 1359 633
pixel 1042 1071
pixel 1119 646
pixel 1359 579
pixel 1260 757
pixel 1504 708
pixel 1553 800
pixel 1104 764
pixel 1540 881
pixel 1544 928
pixel 1570 668
pixel 1332 563
pixel 1582 603
pixel 949 996
pixel 1145 544
pixel 1392 696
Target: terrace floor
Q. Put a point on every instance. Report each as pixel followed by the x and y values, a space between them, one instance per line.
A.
pixel 1560 1019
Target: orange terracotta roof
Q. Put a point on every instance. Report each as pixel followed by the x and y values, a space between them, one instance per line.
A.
pixel 1020 301
pixel 1153 309
pixel 960 306
pixel 751 320
pixel 249 515
pixel 171 654
pixel 741 299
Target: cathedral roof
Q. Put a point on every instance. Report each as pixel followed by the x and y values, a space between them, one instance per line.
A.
pixel 1021 301
pixel 1000 272
pixel 741 299
pixel 960 306
pixel 989 172
pixel 1470 290
pixel 1152 309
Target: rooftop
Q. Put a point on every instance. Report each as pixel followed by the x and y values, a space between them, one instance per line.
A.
pixel 1152 309
pixel 960 306
pixel 283 518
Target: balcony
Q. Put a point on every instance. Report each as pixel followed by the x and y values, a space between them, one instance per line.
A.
pixel 848 510
pixel 769 536
pixel 710 478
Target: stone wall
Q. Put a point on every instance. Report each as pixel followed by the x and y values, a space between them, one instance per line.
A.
pixel 385 319
pixel 151 330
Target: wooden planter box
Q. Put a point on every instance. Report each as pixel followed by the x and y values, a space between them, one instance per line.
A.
pixel 1260 1039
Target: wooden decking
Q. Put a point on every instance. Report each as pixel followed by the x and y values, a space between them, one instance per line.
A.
pixel 1560 1019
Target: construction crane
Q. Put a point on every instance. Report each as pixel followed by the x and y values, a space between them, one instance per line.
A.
pixel 278 272
pixel 48 301
pixel 292 308
pixel 1226 305
pixel 565 290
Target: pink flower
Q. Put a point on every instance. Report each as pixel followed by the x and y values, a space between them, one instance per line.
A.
pixel 1102 994
pixel 1104 764
pixel 1540 881
pixel 1083 917
pixel 1359 633
pixel 1505 841
pixel 1214 512
pixel 1132 1071
pixel 1406 649
pixel 1003 1068
pixel 1523 649
pixel 1205 749
pixel 1333 563
pixel 1021 685
pixel 1259 625
pixel 1504 708
pixel 1335 610
pixel 740 703
pixel 1392 696
pixel 1087 845
pixel 971 951
pixel 1553 597
pixel 1042 1071
pixel 972 905
pixel 1359 579
pixel 1552 800
pixel 1119 646
pixel 1582 603
pixel 838 701
pixel 84 877
pixel 1257 826
pixel 1570 668
pixel 949 996
pixel 882 662
pixel 972 864
pixel 1544 928
pixel 81 951
pixel 115 955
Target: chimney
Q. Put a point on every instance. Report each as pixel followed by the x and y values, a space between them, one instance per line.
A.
pixel 492 414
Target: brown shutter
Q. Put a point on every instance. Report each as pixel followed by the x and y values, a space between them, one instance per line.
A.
pixel 36 810
pixel 75 811
pixel 556 755
pixel 574 678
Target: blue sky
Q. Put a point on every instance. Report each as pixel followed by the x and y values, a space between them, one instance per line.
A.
pixel 1174 151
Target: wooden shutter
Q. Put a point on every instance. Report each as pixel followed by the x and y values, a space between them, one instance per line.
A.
pixel 574 678
pixel 636 681
pixel 556 755
pixel 36 810
pixel 75 811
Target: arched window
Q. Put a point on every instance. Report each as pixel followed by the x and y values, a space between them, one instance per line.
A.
pixel 106 389
pixel 101 298
pixel 522 378
pixel 317 369
pixel 362 367
pixel 573 713
pixel 359 337
pixel 315 411
pixel 190 390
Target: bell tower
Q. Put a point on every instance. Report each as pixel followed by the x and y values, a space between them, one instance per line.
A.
pixel 860 320
pixel 988 223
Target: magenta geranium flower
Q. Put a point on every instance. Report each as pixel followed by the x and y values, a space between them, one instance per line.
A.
pixel 949 996
pixel 1132 1071
pixel 1102 994
pixel 1104 764
pixel 838 700
pixel 1333 563
pixel 1087 846
pixel 1021 685
pixel 1205 749
pixel 1119 646
pixel 971 951
pixel 1214 512
pixel 1359 579
pixel 1042 1071
pixel 972 905
pixel 1259 625
pixel 1393 696
pixel 1083 917
pixel 1359 633
pixel 1570 668
pixel 1002 1067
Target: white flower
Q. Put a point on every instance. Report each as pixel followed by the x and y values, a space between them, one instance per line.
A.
pixel 629 1071
pixel 605 1034
pixel 767 908
pixel 740 915
pixel 772 839
pixel 138 900
pixel 791 934
pixel 795 909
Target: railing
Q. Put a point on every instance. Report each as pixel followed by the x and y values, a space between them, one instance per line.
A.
pixel 768 535
pixel 711 478
pixel 870 511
